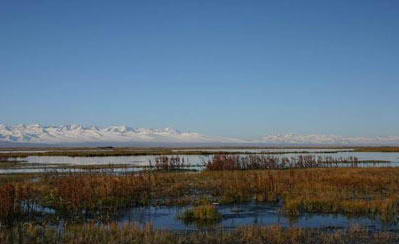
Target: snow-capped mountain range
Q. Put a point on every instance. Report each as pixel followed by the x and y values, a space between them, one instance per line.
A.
pixel 320 139
pixel 68 134
pixel 78 134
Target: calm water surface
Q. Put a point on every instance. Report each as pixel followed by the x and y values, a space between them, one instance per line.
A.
pixel 249 214
pixel 194 160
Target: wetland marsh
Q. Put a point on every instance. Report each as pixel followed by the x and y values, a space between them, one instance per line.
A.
pixel 228 193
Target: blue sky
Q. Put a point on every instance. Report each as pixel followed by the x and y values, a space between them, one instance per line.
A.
pixel 228 68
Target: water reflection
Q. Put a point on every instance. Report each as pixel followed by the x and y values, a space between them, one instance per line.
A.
pixel 131 163
pixel 249 214
pixel 189 159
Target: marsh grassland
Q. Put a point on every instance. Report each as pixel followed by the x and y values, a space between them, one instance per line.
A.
pixel 85 207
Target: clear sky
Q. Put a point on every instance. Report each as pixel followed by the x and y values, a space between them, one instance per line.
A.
pixel 227 68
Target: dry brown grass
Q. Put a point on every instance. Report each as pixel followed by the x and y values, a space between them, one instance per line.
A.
pixel 350 191
pixel 377 149
pixel 134 233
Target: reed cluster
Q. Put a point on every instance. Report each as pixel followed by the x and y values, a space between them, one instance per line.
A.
pixel 202 215
pixel 249 162
pixel 169 163
pixel 9 206
pixel 92 192
pixel 134 233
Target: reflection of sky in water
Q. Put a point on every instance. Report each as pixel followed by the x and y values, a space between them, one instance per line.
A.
pixel 129 160
pixel 248 214
pixel 188 159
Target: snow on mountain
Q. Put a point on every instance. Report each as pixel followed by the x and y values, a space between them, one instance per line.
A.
pixel 78 134
pixel 320 139
pixel 121 134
